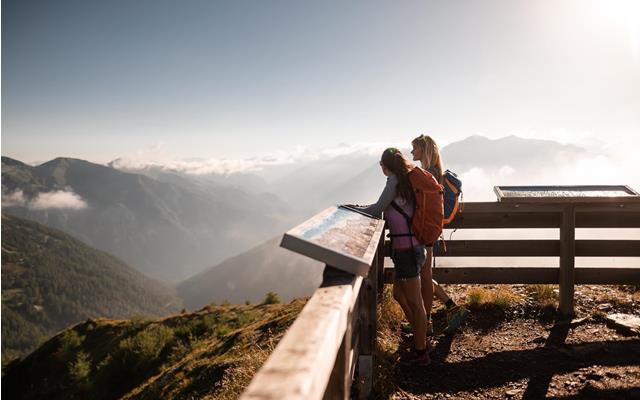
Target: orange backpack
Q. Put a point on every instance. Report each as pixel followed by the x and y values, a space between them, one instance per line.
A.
pixel 428 216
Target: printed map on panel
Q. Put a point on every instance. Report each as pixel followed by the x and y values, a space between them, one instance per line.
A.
pixel 343 231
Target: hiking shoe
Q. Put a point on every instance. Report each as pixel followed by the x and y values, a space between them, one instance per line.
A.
pixel 414 358
pixel 455 317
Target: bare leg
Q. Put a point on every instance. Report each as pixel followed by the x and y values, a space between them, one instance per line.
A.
pixel 426 288
pixel 401 298
pixel 411 289
pixel 439 292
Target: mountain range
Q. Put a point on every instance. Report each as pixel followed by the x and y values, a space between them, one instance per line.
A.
pixel 216 234
pixel 166 228
pixel 250 275
pixel 51 280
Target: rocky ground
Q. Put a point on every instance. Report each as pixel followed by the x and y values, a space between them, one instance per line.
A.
pixel 519 348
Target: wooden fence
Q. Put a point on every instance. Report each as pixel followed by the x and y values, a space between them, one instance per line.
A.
pixel 328 351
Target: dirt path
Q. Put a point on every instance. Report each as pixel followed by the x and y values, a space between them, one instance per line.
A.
pixel 524 352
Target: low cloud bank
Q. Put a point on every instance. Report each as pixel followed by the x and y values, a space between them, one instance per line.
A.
pixel 60 199
pixel 225 166
pixel 593 169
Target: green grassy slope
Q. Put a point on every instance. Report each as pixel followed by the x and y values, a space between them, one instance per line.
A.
pixel 51 280
pixel 211 353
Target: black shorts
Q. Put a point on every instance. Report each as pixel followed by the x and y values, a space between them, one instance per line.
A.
pixel 408 263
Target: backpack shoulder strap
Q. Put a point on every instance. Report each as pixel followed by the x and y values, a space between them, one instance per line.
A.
pixel 406 217
pixel 400 210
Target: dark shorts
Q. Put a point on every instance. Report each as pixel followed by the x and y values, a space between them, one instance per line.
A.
pixel 408 263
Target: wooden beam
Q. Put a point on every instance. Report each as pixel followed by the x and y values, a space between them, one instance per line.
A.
pixel 301 364
pixel 482 275
pixel 379 264
pixel 499 248
pixel 505 215
pixel 608 275
pixel 618 219
pixel 567 260
pixel 529 275
pixel 505 219
pixel 493 207
pixel 534 248
pixel 607 248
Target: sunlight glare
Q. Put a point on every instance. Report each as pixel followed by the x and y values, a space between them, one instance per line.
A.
pixel 619 15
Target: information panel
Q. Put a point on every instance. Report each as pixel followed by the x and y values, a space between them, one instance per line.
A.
pixel 566 194
pixel 339 237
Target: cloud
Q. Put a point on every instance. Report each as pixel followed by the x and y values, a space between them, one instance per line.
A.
pixel 604 168
pixel 60 199
pixel 226 166
pixel 57 200
pixel 14 199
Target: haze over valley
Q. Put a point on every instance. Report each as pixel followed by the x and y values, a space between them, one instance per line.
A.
pixel 214 231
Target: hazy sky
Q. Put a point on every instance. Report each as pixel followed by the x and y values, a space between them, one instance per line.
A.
pixel 103 79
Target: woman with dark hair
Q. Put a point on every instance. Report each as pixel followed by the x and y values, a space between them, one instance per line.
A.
pixel 407 254
pixel 426 151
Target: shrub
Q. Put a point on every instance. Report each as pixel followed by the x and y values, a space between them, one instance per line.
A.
pixel 222 330
pixel 144 348
pixel 271 298
pixel 68 343
pixel 79 369
pixel 138 320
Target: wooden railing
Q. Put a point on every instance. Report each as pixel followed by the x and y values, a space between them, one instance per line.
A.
pixel 565 217
pixel 334 333
pixel 328 351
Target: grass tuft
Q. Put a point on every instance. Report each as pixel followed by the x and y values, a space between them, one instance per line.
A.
pixel 544 295
pixel 481 297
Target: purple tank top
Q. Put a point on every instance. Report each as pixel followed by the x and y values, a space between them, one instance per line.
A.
pixel 398 224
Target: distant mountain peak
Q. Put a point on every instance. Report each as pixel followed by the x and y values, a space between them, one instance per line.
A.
pixel 13 162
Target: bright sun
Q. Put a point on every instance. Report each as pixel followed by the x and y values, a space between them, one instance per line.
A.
pixel 623 15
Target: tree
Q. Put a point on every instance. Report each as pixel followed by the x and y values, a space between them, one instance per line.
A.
pixel 271 298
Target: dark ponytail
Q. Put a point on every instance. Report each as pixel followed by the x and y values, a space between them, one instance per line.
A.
pixel 395 162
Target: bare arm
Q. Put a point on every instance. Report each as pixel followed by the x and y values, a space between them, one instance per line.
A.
pixel 386 197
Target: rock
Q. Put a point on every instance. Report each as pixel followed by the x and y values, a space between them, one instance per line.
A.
pixel 625 321
pixel 604 307
pixel 513 392
pixel 578 321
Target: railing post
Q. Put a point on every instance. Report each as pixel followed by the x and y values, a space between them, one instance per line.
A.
pixel 339 386
pixel 567 260
pixel 368 328
pixel 380 263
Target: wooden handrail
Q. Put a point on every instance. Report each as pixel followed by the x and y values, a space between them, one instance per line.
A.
pixel 306 355
pixel 330 344
pixel 334 332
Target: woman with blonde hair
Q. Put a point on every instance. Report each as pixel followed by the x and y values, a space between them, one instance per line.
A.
pixel 426 151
